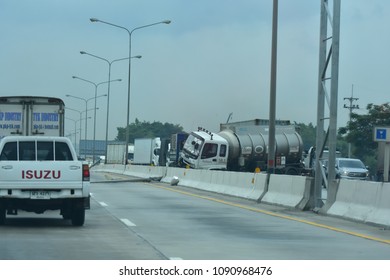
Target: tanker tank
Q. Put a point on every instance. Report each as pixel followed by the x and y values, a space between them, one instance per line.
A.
pixel 248 149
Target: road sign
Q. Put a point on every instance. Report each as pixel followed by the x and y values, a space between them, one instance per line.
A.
pixel 382 134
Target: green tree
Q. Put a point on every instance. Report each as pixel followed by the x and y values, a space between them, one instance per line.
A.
pixel 146 129
pixel 308 134
pixel 359 132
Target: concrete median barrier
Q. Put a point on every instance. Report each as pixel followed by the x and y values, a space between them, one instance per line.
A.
pixel 245 185
pixel 362 201
pixel 141 171
pixel 113 168
pixel 289 190
pixel 145 171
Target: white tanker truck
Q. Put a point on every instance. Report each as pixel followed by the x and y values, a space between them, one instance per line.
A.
pixel 243 146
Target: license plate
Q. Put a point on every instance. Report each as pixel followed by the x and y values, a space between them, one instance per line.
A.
pixel 40 195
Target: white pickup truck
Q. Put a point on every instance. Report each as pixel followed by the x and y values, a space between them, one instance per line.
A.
pixel 39 173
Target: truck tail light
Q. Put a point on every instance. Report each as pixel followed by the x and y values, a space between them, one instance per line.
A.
pixel 85 172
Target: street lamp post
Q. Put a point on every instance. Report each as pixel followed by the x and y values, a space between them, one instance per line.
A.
pixel 130 32
pixel 94 120
pixel 108 92
pixel 80 119
pixel 86 113
pixel 75 132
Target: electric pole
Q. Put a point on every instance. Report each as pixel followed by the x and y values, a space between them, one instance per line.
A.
pixel 351 107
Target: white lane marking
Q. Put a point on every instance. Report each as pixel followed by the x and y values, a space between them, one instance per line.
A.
pixel 103 204
pixel 175 259
pixel 128 223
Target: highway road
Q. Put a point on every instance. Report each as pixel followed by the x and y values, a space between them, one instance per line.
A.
pixel 132 220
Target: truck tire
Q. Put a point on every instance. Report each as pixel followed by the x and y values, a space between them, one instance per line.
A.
pixel 2 215
pixel 78 216
pixel 291 171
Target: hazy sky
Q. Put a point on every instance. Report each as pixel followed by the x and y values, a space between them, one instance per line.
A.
pixel 212 60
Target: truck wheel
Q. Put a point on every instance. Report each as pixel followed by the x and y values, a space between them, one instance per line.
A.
pixel 2 215
pixel 78 216
pixel 291 171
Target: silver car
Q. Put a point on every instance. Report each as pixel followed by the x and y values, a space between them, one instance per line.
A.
pixel 348 168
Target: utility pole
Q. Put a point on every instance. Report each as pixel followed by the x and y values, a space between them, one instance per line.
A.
pixel 351 107
pixel 328 75
pixel 272 105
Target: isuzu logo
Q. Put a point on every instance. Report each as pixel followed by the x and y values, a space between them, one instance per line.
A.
pixel 41 174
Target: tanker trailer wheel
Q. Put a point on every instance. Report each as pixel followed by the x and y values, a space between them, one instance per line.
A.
pixel 291 171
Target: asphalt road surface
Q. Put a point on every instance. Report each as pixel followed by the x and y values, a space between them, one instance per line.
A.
pixel 137 220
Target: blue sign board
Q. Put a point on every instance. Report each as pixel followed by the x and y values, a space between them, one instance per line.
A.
pixel 382 134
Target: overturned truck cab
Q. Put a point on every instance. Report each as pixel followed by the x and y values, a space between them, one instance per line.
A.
pixel 244 148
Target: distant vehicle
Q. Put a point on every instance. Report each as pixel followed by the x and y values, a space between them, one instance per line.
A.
pixel 146 151
pixel 31 115
pixel 349 168
pixel 116 153
pixel 130 153
pixel 40 173
pixel 310 157
pixel 175 148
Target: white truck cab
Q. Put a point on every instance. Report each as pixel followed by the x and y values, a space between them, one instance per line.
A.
pixel 204 150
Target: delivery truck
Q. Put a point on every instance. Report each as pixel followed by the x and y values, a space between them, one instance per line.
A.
pixel 31 115
pixel 146 151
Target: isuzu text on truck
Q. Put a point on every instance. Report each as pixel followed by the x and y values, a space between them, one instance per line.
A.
pixel 39 169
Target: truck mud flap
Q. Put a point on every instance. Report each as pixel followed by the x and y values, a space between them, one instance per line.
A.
pixel 87 203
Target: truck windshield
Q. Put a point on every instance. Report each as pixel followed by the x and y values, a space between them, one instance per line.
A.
pixel 351 164
pixel 193 145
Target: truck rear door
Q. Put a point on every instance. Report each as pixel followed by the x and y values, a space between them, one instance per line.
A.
pixel 45 119
pixel 11 120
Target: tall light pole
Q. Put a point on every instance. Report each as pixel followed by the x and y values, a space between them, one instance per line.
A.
pixel 94 120
pixel 272 106
pixel 75 132
pixel 80 119
pixel 108 92
pixel 130 32
pixel 86 113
